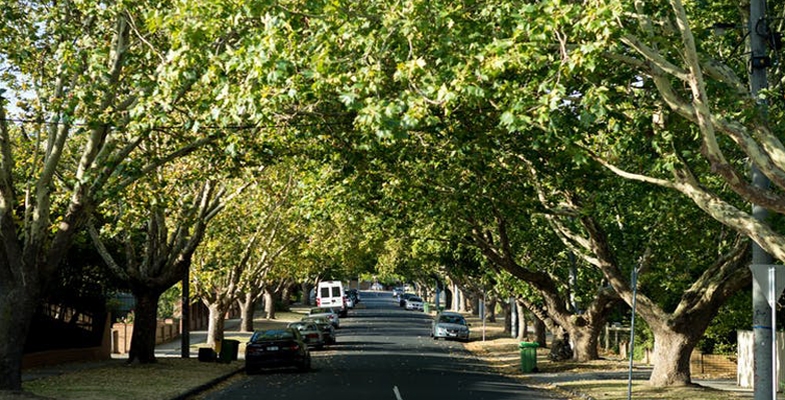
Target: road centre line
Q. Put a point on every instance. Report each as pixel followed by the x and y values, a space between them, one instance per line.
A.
pixel 397 393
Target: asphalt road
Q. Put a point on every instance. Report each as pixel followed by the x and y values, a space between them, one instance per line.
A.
pixel 384 352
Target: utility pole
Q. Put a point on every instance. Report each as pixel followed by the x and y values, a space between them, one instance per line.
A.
pixel 185 317
pixel 765 381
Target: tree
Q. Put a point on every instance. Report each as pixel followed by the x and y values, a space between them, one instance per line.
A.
pixel 244 244
pixel 682 284
pixel 91 86
pixel 176 207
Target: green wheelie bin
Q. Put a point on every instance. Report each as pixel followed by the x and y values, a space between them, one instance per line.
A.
pixel 529 356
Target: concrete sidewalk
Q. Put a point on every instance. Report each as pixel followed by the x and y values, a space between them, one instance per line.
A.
pixel 197 339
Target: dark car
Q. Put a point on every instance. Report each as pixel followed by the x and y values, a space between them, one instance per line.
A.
pixel 327 328
pixel 404 297
pixel 277 348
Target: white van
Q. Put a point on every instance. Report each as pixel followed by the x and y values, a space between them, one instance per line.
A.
pixel 330 294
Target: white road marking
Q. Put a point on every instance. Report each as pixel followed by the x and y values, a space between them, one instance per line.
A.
pixel 397 393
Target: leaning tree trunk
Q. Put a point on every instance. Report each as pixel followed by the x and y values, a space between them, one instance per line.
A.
pixel 247 308
pixel 145 325
pixel 215 326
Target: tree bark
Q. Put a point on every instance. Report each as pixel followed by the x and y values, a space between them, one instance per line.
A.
pixel 306 287
pixel 145 325
pixel 269 303
pixel 247 308
pixel 286 295
pixel 671 358
pixel 523 326
pixel 539 331
pixel 490 310
pixel 215 325
pixel 506 309
pixel 17 308
pixel 474 301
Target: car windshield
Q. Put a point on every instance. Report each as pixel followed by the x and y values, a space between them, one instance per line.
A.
pixel 452 319
pixel 277 334
pixel 300 326
pixel 321 310
pixel 415 299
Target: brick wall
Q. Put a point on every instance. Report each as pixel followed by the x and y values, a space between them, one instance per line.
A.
pixel 712 364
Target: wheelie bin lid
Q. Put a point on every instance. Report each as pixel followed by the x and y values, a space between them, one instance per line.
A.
pixel 528 344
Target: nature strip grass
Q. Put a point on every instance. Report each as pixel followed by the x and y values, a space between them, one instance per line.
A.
pixel 166 379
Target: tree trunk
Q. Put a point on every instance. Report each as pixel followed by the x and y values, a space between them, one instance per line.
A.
pixel 507 317
pixel 145 325
pixel 672 351
pixel 306 287
pixel 474 304
pixel 540 332
pixel 215 326
pixel 269 303
pixel 522 323
pixel 584 342
pixel 286 296
pixel 490 310
pixel 247 307
pixel 17 308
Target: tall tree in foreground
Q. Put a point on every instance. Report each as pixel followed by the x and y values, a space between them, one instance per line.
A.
pixel 90 86
pixel 686 270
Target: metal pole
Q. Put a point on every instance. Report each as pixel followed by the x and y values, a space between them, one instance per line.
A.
pixel 761 316
pixel 482 311
pixel 634 280
pixel 185 318
pixel 773 301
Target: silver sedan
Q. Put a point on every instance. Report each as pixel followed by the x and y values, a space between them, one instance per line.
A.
pixel 450 325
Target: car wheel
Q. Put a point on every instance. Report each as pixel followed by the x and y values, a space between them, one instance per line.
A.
pixel 306 365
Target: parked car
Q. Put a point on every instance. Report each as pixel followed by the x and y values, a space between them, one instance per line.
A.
pixel 414 303
pixel 450 325
pixel 312 335
pixel 404 297
pixel 276 348
pixel 327 328
pixel 330 294
pixel 326 312
pixel 397 291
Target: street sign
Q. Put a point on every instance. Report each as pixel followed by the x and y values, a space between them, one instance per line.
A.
pixel 762 273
